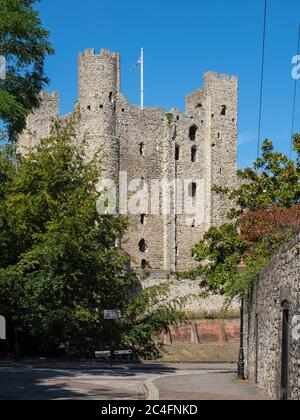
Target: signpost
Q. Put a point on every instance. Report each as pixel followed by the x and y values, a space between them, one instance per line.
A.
pixel 122 352
pixel 102 354
pixel 112 314
pixel 2 328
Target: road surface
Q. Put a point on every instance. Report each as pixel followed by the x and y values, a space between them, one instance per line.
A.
pixel 56 381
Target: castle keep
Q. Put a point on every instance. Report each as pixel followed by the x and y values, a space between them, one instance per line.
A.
pixel 148 144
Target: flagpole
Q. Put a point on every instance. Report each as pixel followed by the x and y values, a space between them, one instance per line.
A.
pixel 142 78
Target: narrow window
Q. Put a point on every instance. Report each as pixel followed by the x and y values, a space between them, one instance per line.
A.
pixel 143 219
pixel 193 224
pixel 142 149
pixel 193 189
pixel 194 154
pixel 224 109
pixel 123 109
pixel 177 152
pixel 193 132
pixel 199 106
pixel 110 96
pixel 101 106
pixel 144 264
pixel 142 246
pixel 89 107
pixel 285 351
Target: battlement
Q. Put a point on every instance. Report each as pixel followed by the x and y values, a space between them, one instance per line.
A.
pixel 104 52
pixel 46 95
pixel 212 77
pixel 219 89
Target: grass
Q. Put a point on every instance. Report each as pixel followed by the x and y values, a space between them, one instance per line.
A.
pixel 212 315
pixel 200 353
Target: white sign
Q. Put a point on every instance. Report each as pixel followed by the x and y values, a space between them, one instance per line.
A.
pixel 102 354
pixel 112 314
pixel 2 328
pixel 122 352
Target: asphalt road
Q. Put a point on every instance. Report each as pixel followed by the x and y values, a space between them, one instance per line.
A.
pixel 125 382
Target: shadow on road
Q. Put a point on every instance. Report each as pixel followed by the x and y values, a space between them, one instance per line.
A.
pixel 74 382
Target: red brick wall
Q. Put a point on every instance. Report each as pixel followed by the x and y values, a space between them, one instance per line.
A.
pixel 205 331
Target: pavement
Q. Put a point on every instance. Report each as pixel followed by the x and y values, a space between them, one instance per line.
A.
pixel 52 380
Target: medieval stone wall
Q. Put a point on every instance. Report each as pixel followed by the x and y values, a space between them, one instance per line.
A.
pixel 275 295
pixel 150 144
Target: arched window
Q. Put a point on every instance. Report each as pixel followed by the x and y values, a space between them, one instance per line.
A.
pixel 193 132
pixel 224 109
pixel 142 245
pixel 142 183
pixel 194 154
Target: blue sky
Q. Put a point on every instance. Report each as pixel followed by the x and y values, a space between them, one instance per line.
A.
pixel 182 40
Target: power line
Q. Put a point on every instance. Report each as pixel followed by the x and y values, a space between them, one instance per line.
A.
pixel 294 100
pixel 262 78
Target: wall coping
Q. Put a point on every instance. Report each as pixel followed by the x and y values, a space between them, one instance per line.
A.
pixel 285 248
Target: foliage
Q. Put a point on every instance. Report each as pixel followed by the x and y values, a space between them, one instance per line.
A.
pixel 24 44
pixel 60 267
pixel 169 117
pixel 268 215
pixel 273 180
pixel 147 317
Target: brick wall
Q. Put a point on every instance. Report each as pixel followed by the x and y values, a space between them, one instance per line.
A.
pixel 205 331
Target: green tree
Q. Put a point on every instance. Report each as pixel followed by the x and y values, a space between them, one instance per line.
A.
pixel 273 180
pixel 59 261
pixel 24 45
pixel 265 216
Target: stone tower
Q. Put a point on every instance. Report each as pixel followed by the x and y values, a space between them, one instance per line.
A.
pixel 40 121
pixel 99 86
pixel 148 147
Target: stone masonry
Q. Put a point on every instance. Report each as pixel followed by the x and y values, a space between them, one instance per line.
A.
pixel 272 337
pixel 152 144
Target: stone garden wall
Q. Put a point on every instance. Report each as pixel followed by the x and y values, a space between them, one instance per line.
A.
pixel 274 307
